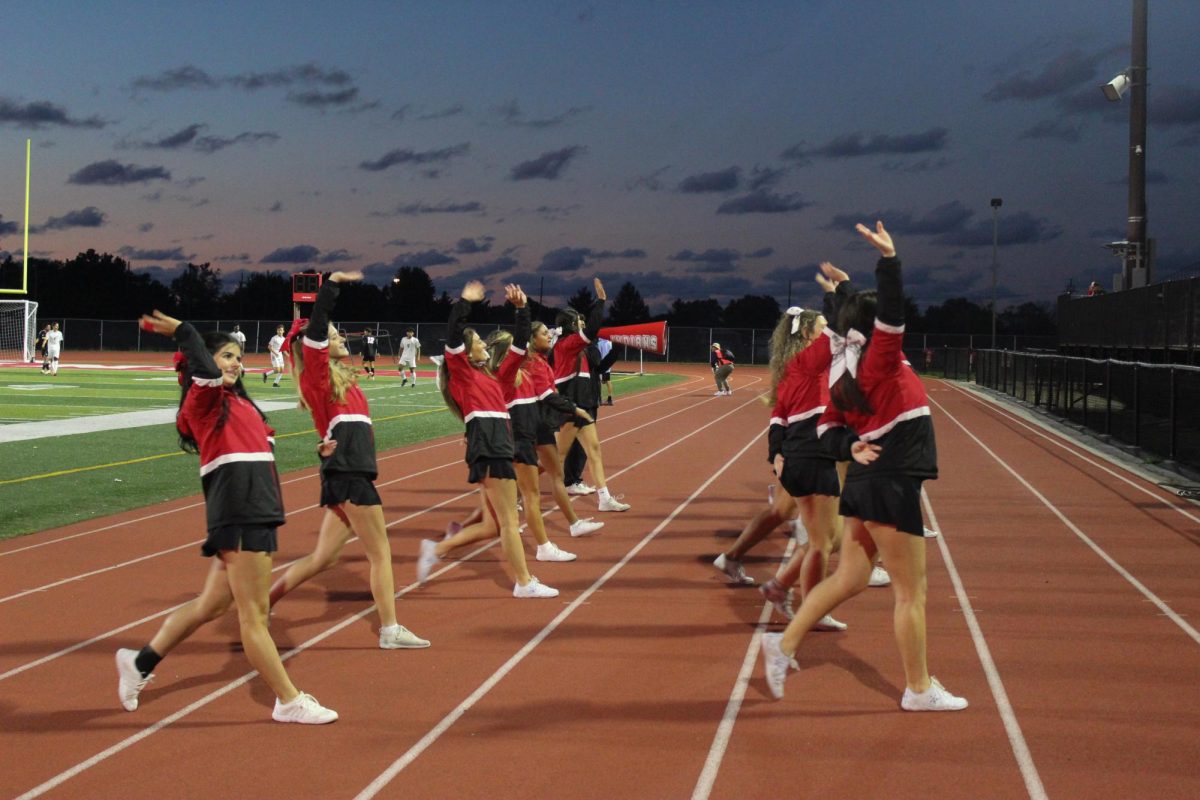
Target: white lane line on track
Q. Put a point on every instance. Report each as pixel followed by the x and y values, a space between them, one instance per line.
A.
pixel 108 634
pixel 129 741
pixel 1016 739
pixel 111 567
pixel 716 752
pixel 1058 440
pixel 394 454
pixel 415 752
pixel 1083 537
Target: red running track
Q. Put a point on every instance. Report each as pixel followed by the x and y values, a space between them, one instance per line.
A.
pixel 1061 601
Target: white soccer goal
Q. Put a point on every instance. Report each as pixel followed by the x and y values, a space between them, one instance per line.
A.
pixel 18 330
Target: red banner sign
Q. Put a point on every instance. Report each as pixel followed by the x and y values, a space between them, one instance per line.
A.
pixel 648 336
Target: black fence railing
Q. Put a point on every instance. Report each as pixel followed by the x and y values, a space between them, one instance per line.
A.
pixel 1158 323
pixel 1150 406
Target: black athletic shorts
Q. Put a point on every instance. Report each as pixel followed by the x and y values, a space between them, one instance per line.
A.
pixel 889 500
pixel 525 452
pixel 251 538
pixel 339 487
pixel 491 467
pixel 545 435
pixel 804 476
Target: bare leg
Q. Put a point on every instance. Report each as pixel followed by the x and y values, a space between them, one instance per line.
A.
pixel 502 498
pixel 527 482
pixel 549 459
pixel 819 513
pixel 904 555
pixel 483 527
pixel 249 576
pixel 368 523
pixel 335 532
pixel 850 578
pixel 761 524
pixel 590 440
pixel 213 601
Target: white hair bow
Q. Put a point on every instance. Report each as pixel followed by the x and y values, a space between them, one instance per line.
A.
pixel 794 312
pixel 846 350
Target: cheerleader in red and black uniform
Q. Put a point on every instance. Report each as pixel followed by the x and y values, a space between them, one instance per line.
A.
pixel 475 394
pixel 329 390
pixel 243 505
pixel 879 416
pixel 572 376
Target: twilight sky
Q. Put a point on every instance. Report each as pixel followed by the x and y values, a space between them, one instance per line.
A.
pixel 698 149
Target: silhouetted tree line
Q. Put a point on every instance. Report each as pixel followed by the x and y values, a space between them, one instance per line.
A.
pixel 103 286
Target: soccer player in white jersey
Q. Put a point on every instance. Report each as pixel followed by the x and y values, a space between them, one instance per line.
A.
pixel 54 341
pixel 410 350
pixel 275 348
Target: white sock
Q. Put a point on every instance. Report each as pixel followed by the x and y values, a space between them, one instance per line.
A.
pixel 385 629
pixel 603 492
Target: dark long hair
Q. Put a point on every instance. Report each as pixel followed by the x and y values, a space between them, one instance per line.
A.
pixel 213 341
pixel 857 312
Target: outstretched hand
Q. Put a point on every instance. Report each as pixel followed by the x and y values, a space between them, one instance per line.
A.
pixel 473 292
pixel 600 294
pixel 514 295
pixel 880 238
pixel 158 322
pixel 833 273
pixel 346 277
pixel 826 284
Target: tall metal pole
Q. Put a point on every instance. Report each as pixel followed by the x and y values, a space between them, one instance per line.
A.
pixel 996 203
pixel 1136 254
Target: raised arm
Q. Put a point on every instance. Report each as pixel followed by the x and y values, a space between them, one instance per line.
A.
pixel 318 323
pixel 595 317
pixel 472 293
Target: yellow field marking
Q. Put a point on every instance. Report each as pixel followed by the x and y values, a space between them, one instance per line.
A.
pixel 77 470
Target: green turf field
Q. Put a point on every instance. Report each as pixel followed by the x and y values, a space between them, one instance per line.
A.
pixel 53 481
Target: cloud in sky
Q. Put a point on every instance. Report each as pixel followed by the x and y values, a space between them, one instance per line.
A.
pixel 510 113
pixel 467 246
pixel 314 98
pixel 948 218
pixel 151 254
pixel 297 254
pixel 418 208
pixel 1061 74
pixel 42 114
pixel 548 166
pixel 762 201
pixel 566 259
pixel 90 217
pixel 403 156
pixel 445 113
pixel 114 173
pixel 858 145
pixel 189 138
pixel 1019 228
pixel 190 77
pixel 725 180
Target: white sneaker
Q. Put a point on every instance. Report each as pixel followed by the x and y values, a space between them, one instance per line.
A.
pixel 935 698
pixel 828 623
pixel 580 488
pixel 129 679
pixel 879 577
pixel 775 663
pixel 611 503
pixel 550 552
pixel 534 589
pixel 398 637
pixel 733 570
pixel 427 559
pixel 305 709
pixel 929 533
pixel 719 393
pixel 585 527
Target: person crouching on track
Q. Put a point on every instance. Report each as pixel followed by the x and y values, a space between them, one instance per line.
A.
pixel 475 394
pixel 879 416
pixel 244 506
pixel 330 392
pixel 721 361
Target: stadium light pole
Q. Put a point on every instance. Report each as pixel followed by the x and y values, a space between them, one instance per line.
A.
pixel 1135 80
pixel 996 203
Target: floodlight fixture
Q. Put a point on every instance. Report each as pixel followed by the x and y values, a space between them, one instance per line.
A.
pixel 1116 87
